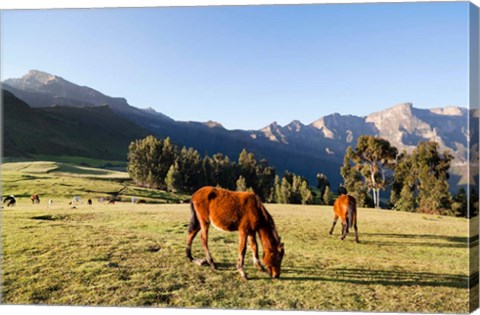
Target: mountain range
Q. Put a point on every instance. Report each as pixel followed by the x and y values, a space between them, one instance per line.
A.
pixel 46 114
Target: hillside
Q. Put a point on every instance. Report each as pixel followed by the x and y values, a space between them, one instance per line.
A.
pixel 305 149
pixel 63 130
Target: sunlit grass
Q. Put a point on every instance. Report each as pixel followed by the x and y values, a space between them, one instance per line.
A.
pixel 133 255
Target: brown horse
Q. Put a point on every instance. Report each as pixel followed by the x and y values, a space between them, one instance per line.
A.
pixel 236 211
pixel 345 207
pixel 35 199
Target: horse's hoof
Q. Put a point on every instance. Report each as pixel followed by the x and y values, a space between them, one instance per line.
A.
pixel 260 267
pixel 243 275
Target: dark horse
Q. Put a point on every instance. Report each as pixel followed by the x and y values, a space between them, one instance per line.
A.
pixel 345 207
pixel 35 199
pixel 11 200
pixel 236 211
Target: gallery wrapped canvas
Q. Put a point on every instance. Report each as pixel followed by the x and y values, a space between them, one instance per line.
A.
pixel 267 156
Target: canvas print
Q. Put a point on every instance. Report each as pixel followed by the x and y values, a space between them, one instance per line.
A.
pixel 319 157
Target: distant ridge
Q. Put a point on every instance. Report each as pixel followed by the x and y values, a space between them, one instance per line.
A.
pixel 303 148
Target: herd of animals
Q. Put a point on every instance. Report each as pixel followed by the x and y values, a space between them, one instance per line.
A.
pixel 238 211
pixel 11 201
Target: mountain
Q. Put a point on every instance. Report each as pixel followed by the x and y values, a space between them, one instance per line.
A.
pixel 305 149
pixel 64 130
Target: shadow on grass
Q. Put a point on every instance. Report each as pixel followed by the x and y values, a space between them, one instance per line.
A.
pixel 452 241
pixel 378 277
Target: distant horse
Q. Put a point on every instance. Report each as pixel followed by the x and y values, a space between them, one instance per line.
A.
pixel 134 200
pixel 89 201
pixel 236 211
pixel 75 200
pixel 345 207
pixel 11 200
pixel 111 202
pixel 50 202
pixel 101 200
pixel 35 199
pixel 141 201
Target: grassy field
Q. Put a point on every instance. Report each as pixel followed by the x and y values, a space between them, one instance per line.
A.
pixel 133 255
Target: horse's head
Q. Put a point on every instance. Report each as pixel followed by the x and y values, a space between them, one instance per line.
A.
pixel 273 260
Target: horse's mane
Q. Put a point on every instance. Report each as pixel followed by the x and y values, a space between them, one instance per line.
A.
pixel 268 220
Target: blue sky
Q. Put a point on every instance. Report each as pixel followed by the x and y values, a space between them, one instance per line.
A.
pixel 247 66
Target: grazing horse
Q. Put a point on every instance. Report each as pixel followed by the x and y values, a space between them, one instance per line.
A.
pixel 111 202
pixel 345 207
pixel 236 211
pixel 11 200
pixel 35 199
pixel 75 200
pixel 141 201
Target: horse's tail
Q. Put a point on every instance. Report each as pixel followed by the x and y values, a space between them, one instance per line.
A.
pixel 351 211
pixel 194 223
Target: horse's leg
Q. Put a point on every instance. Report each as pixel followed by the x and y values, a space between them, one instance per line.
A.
pixel 204 235
pixel 335 219
pixel 344 229
pixel 191 235
pixel 242 248
pixel 356 230
pixel 252 240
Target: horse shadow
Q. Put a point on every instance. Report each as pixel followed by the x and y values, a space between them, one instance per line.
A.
pixel 427 240
pixel 394 278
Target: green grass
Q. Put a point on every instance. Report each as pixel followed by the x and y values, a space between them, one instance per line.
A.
pixel 62 181
pixel 133 255
pixel 78 160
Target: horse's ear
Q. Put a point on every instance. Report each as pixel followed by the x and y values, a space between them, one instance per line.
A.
pixel 280 247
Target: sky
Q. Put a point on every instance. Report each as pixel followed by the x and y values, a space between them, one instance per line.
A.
pixel 247 66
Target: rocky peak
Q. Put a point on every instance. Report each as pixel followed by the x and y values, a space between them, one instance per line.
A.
pixel 449 111
pixel 213 124
pixel 295 125
pixel 33 80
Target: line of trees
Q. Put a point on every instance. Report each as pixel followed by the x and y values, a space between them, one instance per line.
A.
pixel 418 181
pixel 159 164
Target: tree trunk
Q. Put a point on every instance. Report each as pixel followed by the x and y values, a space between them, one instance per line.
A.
pixel 377 205
pixel 374 187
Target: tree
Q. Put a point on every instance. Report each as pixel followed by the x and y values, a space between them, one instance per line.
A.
pixel 188 165
pixel 265 181
pixel 328 196
pixel 285 191
pixel 241 184
pixel 322 184
pixel 305 193
pixel 432 169
pixel 149 160
pixel 173 179
pixel 460 203
pixel 292 189
pixel 406 201
pixel 223 172
pixel 421 181
pixel 374 158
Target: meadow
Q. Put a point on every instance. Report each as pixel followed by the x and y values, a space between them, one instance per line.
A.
pixel 134 254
